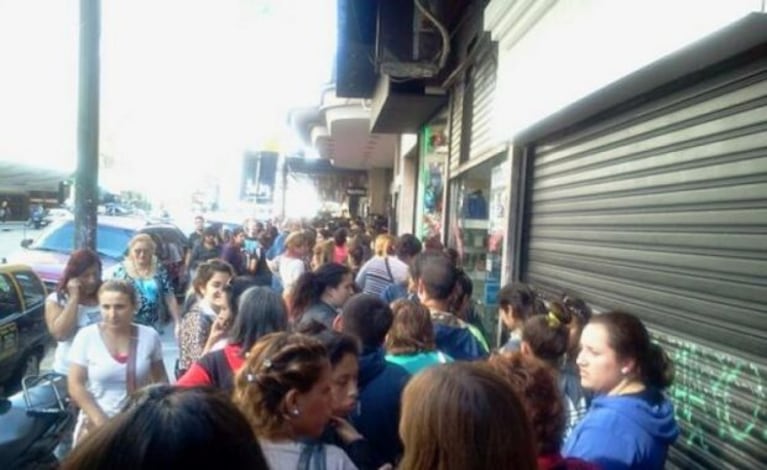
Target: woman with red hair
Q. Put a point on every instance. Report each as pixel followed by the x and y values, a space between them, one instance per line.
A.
pixel 74 304
pixel 537 388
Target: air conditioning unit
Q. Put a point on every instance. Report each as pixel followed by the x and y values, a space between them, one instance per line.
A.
pixel 408 42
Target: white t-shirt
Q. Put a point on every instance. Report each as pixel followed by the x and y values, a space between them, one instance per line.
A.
pixel 285 455
pixel 106 376
pixel 290 270
pixel 86 315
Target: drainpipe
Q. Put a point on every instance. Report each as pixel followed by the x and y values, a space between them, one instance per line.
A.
pixel 87 174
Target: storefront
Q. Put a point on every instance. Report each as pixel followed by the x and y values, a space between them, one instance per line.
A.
pixel 647 195
pixel 479 184
pixel 478 223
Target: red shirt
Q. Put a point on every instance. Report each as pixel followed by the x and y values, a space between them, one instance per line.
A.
pixel 198 375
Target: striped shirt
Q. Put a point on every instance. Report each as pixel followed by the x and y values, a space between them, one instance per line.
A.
pixel 374 276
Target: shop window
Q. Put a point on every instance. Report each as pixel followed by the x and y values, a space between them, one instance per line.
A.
pixel 477 230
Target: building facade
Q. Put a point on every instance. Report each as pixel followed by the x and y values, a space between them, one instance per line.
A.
pixel 611 150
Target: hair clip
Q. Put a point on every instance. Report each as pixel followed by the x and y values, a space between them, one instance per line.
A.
pixel 267 364
pixel 552 320
pixel 251 378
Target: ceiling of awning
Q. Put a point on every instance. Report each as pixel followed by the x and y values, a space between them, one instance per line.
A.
pixel 351 145
pixel 20 178
pixel 339 130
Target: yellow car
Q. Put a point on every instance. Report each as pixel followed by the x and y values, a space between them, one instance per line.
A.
pixel 23 334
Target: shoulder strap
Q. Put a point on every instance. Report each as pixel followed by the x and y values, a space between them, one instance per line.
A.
pixel 312 456
pixel 388 269
pixel 130 371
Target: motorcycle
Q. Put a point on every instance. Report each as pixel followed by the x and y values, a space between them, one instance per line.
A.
pixel 37 219
pixel 34 421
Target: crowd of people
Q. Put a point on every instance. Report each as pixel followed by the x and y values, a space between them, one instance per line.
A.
pixel 341 347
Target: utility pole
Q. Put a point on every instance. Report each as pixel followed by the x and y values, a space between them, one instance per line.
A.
pixel 87 174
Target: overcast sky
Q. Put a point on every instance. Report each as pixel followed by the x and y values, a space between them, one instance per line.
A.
pixel 182 81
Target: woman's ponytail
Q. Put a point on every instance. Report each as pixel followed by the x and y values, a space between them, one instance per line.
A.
pixel 547 334
pixel 658 369
pixel 311 285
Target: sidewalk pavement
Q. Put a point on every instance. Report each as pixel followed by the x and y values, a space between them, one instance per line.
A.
pixel 12 225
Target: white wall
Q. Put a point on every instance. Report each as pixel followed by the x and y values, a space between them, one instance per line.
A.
pixel 405 183
pixel 579 46
pixel 379 184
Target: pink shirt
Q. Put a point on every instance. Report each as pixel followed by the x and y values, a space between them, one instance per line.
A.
pixel 340 253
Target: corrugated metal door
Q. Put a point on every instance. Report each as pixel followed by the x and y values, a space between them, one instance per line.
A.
pixel 483 78
pixel 661 210
pixel 456 123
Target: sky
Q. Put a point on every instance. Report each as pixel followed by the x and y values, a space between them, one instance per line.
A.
pixel 187 86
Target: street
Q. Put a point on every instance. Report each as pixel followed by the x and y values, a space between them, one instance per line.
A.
pixel 11 235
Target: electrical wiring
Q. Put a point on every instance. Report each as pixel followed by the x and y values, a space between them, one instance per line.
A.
pixel 442 31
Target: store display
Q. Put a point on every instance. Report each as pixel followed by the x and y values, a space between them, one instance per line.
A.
pixel 478 228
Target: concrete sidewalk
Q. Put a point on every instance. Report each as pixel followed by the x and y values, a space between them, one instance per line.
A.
pixel 12 225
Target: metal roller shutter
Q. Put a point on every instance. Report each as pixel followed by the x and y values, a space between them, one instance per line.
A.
pixel 456 121
pixel 483 84
pixel 661 210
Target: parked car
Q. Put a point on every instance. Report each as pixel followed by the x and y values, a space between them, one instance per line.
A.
pixel 23 334
pixel 48 254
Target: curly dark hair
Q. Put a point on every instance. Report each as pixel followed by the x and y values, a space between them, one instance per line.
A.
pixel 537 388
pixel 276 364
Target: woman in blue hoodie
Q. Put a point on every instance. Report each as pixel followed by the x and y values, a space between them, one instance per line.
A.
pixel 630 423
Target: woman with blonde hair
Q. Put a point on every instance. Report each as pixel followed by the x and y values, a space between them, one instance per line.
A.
pixel 291 264
pixel 383 269
pixel 322 254
pixel 284 391
pixel 151 281
pixel 464 415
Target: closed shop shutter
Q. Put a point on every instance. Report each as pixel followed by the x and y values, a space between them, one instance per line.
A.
pixel 661 210
pixel 483 92
pixel 456 123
